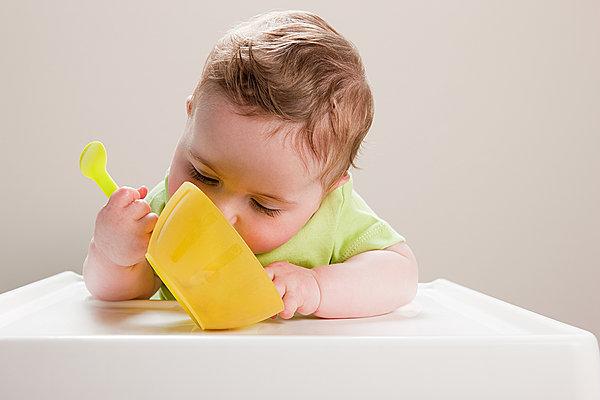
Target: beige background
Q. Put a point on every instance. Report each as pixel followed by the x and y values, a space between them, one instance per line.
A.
pixel 483 153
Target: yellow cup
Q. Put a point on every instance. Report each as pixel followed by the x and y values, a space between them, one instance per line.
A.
pixel 207 266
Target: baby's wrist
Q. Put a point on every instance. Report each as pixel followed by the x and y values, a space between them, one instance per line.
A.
pixel 101 255
pixel 319 293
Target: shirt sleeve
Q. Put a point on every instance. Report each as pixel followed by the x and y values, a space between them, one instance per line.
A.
pixel 359 229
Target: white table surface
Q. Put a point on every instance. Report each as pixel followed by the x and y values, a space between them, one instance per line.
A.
pixel 451 342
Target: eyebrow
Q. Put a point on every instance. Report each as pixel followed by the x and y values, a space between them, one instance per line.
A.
pixel 271 196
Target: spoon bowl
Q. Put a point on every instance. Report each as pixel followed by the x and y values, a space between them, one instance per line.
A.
pixel 92 163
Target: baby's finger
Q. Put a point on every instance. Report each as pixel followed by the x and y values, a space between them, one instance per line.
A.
pixel 280 286
pixel 123 196
pixel 291 302
pixel 138 209
pixel 143 191
pixel 270 272
pixel 307 309
pixel 149 221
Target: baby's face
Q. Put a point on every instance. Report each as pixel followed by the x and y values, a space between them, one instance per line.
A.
pixel 261 185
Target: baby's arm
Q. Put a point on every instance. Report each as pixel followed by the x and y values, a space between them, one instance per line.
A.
pixel 371 283
pixel 115 267
pixel 108 281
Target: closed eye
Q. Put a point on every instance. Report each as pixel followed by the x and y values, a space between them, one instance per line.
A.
pixel 260 208
pixel 203 178
pixel 194 173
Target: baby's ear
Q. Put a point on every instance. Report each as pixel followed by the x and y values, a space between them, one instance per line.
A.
pixel 188 105
pixel 341 180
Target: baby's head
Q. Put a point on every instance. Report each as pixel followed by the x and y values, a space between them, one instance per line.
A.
pixel 275 122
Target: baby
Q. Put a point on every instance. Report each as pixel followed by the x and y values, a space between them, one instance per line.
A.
pixel 274 125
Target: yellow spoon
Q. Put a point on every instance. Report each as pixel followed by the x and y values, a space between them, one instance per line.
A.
pixel 92 163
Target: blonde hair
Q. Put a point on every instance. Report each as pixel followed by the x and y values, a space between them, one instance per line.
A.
pixel 295 66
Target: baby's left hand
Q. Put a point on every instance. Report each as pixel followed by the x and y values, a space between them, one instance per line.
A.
pixel 297 286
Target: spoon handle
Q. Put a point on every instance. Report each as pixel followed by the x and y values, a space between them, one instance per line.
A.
pixel 106 183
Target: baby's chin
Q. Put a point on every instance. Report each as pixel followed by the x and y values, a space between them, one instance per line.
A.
pixel 261 247
pixel 263 239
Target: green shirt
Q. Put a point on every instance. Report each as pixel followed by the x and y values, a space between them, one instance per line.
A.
pixel 342 227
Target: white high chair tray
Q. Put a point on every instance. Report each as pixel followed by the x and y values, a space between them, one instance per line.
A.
pixel 451 342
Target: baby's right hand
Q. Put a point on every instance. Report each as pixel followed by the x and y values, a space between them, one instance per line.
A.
pixel 124 226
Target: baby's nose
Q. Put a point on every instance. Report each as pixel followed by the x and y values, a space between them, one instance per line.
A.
pixel 229 212
pixel 232 220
